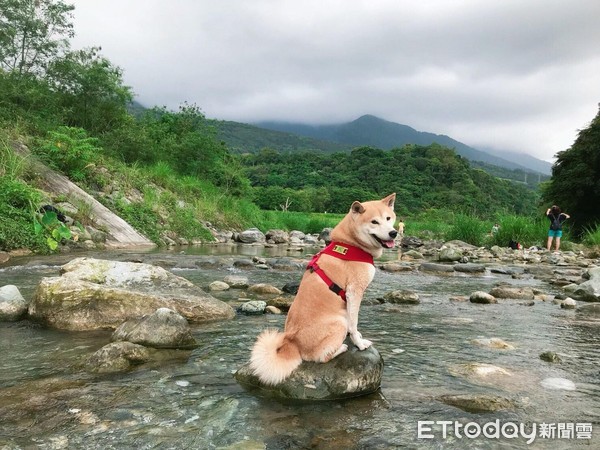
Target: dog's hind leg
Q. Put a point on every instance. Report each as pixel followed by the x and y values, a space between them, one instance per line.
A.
pixel 343 348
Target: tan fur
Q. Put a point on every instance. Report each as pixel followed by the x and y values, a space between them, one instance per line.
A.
pixel 319 320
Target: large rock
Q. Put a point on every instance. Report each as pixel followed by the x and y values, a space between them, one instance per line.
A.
pixel 252 236
pixel 351 374
pixel 592 309
pixel 99 294
pixel 162 329
pixel 12 304
pixel 588 291
pixel 449 254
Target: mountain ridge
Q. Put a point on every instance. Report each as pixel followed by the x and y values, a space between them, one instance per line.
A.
pixel 371 130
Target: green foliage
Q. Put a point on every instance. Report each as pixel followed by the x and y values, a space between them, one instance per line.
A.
pixel 32 33
pixel 142 217
pixel 575 183
pixel 70 150
pixel 91 89
pixel 54 228
pixel 423 178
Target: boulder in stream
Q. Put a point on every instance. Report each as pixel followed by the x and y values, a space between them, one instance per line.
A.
pixel 12 304
pixel 100 294
pixel 351 374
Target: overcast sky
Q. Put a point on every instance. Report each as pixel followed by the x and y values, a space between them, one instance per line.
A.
pixel 518 75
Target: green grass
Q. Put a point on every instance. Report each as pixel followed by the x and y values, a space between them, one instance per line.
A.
pixel 591 236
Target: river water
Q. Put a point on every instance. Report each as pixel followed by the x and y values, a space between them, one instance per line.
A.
pixel 47 401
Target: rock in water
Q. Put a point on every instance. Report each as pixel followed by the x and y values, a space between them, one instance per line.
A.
pixel 350 374
pixel 100 294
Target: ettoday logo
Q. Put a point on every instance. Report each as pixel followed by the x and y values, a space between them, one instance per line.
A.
pixel 429 429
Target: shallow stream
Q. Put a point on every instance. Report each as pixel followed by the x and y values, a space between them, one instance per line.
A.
pixel 47 401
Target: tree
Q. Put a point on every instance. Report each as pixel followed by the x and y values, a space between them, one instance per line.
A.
pixel 92 89
pixel 575 182
pixel 32 33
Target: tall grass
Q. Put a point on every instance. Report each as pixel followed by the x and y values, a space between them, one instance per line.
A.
pixel 468 229
pixel 591 236
pixel 12 165
pixel 529 231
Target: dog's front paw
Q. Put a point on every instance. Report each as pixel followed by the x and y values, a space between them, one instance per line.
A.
pixel 364 344
pixel 358 340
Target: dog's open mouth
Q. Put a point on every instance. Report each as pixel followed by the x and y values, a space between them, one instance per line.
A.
pixel 385 244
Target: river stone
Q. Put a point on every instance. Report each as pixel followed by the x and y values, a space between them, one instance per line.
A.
pixel 264 288
pixel 237 281
pixel 589 291
pixel 493 343
pixel 568 303
pixel 277 236
pixel 396 267
pixel 351 374
pixel 253 307
pixel 450 254
pixel 592 309
pixel 480 371
pixel 469 268
pixel 218 286
pixel 482 297
pixel 4 257
pixel 117 357
pixel 252 236
pixel 478 403
pixel 433 267
pixel 516 292
pixel 550 357
pixel 287 264
pixel 413 254
pixel 325 235
pixel 100 294
pixel 402 297
pixel 291 287
pixel 12 304
pixel 283 302
pixel 162 329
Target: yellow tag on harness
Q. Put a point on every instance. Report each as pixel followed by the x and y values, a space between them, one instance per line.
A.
pixel 340 249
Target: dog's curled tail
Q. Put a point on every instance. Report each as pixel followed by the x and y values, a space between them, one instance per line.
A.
pixel 274 357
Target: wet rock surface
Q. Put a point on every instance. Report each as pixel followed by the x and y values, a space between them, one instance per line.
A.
pixel 351 374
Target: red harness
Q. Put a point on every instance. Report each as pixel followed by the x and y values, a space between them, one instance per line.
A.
pixel 341 251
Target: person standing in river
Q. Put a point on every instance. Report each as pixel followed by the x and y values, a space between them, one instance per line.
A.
pixel 556 217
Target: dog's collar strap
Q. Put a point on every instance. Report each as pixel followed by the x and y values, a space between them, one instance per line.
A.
pixel 342 251
pixel 347 252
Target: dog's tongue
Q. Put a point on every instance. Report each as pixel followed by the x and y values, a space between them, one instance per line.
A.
pixel 389 244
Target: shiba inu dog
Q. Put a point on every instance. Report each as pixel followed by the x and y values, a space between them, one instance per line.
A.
pixel 326 306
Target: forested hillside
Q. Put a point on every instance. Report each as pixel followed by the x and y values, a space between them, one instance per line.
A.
pixel 375 132
pixel 423 177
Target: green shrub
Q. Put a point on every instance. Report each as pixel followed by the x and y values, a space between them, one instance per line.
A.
pixel 70 150
pixel 16 231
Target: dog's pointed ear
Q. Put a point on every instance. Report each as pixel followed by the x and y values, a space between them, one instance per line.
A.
pixel 389 200
pixel 357 208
